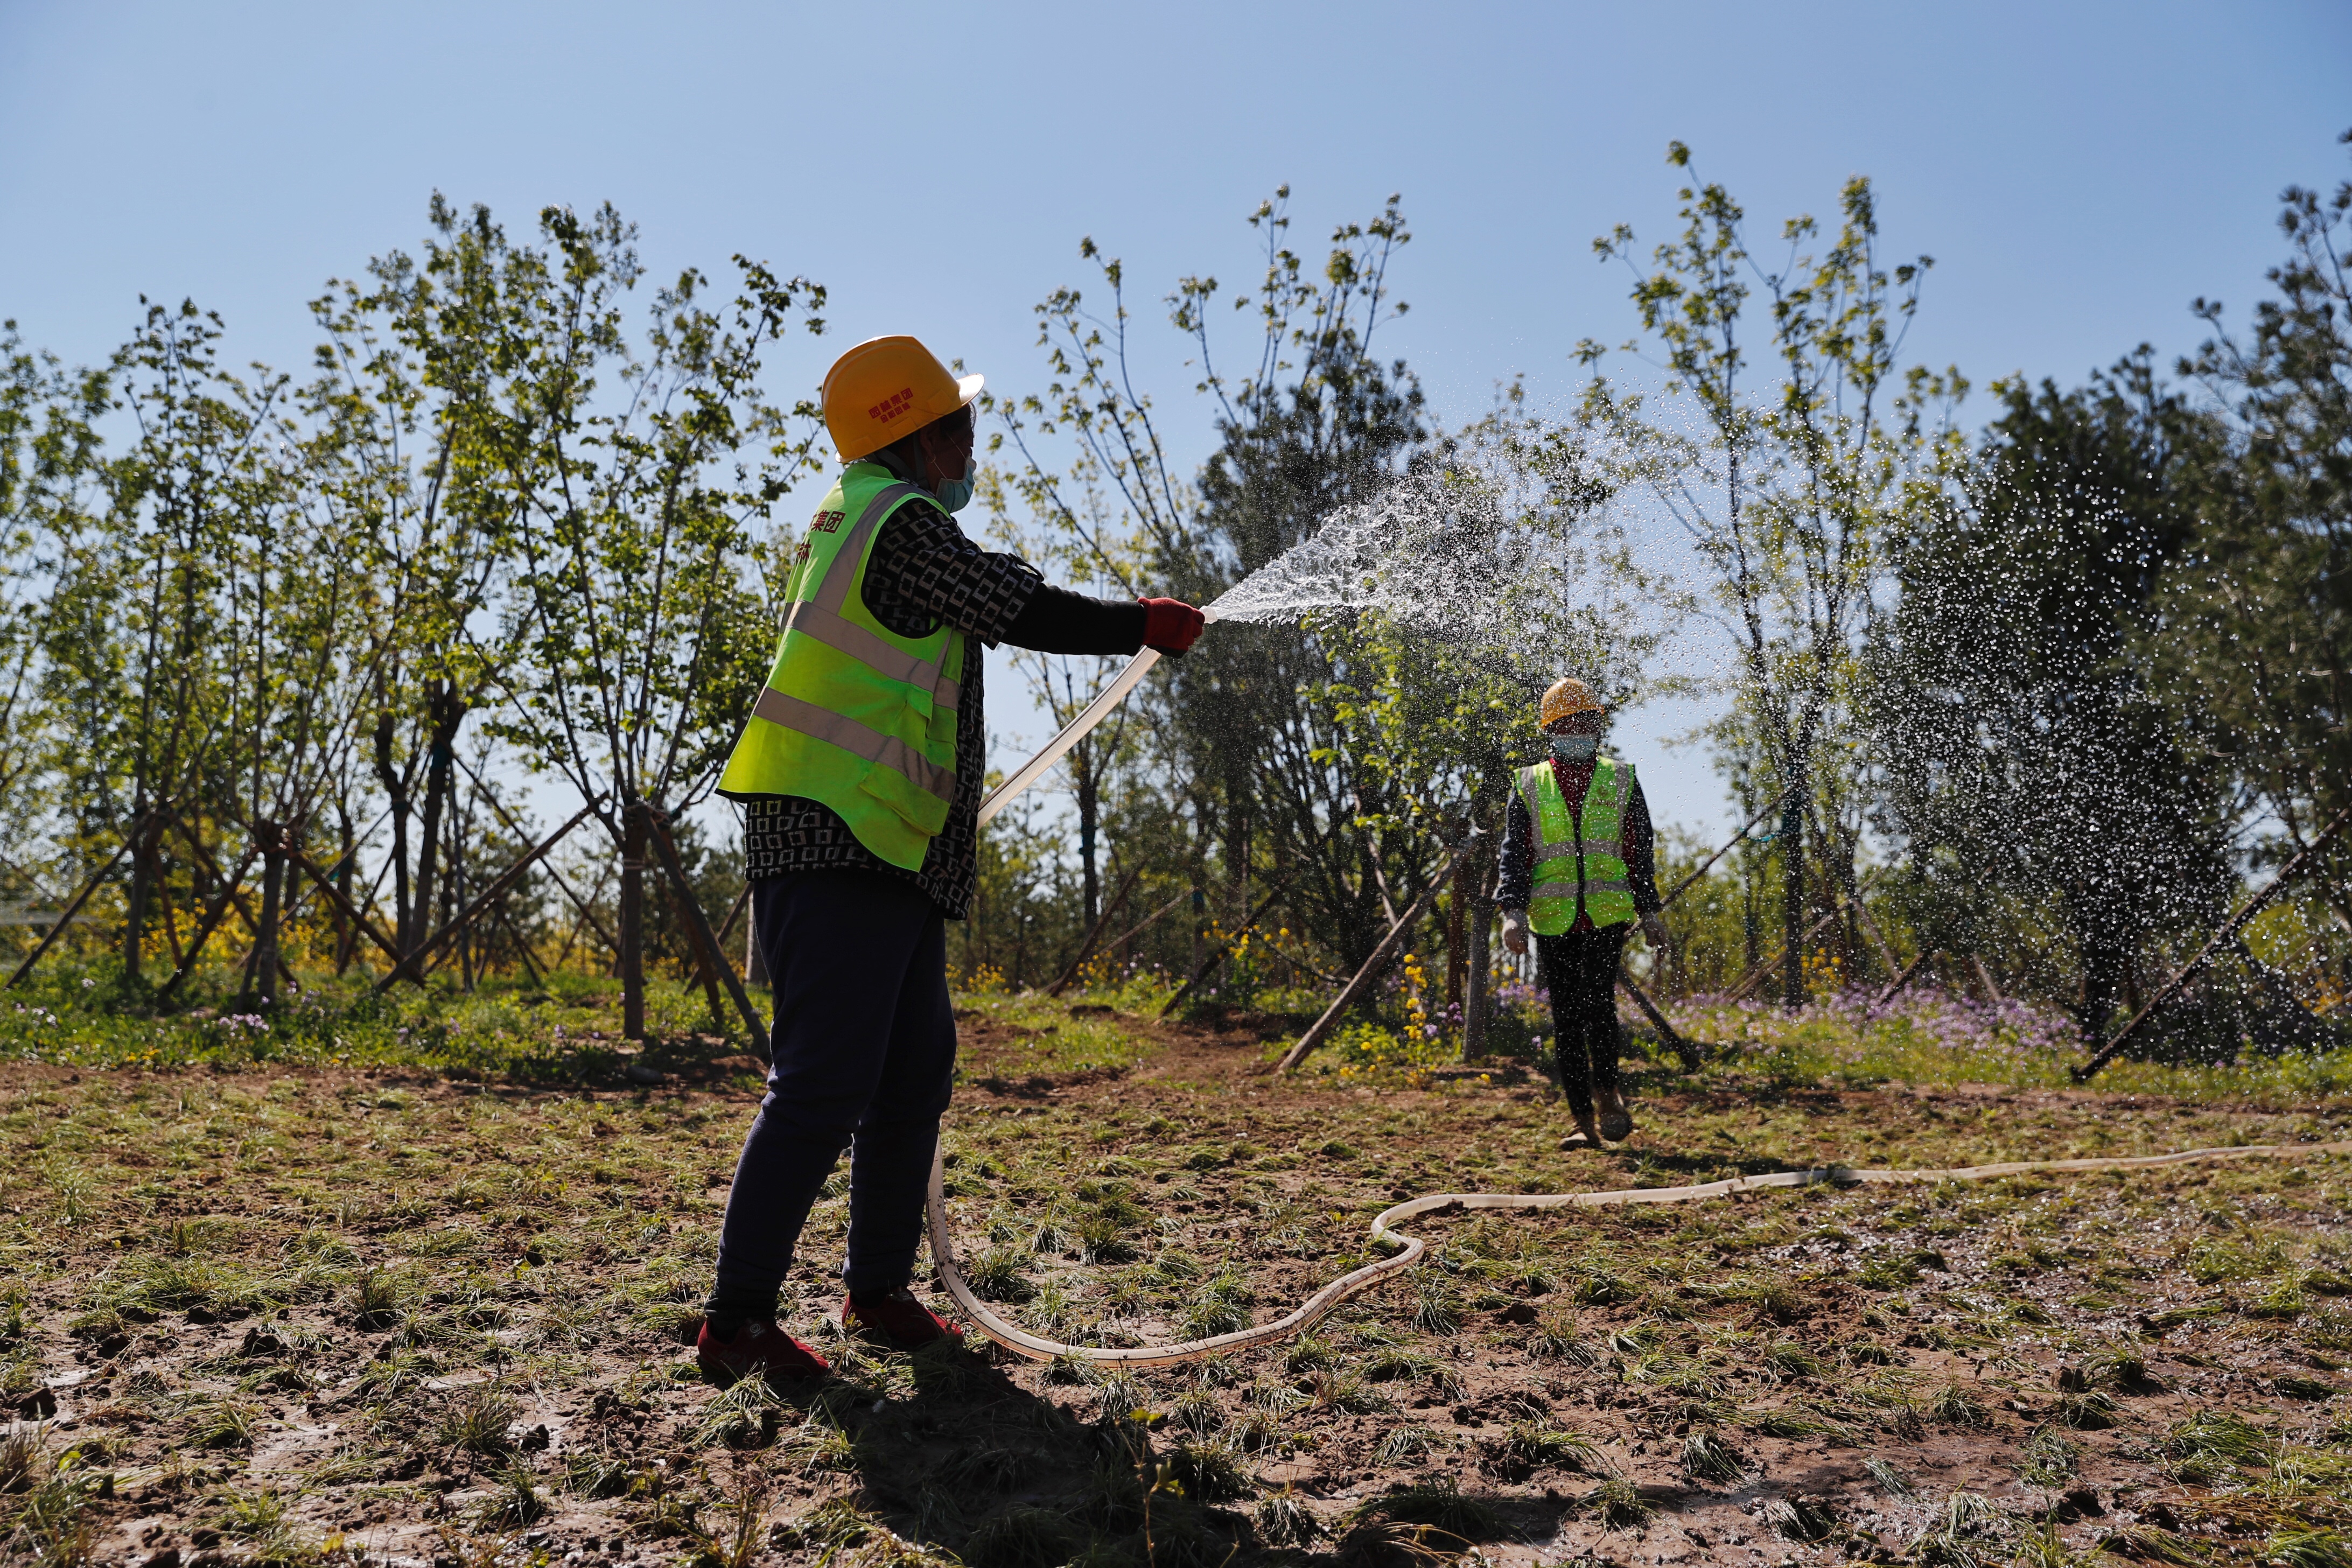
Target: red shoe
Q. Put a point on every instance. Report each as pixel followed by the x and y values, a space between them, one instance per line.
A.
pixel 758 1349
pixel 897 1318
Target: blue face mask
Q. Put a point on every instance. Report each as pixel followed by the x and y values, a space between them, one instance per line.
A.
pixel 956 494
pixel 1576 748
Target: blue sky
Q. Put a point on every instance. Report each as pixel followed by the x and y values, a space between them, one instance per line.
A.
pixel 2079 171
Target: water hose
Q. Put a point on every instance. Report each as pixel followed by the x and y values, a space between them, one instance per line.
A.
pixel 1077 729
pixel 1320 1305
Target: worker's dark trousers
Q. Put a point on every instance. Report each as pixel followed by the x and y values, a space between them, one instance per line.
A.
pixel 864 1057
pixel 1580 969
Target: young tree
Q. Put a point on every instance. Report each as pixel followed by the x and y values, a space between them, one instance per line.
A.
pixel 1790 489
pixel 1080 528
pixel 137 674
pixel 49 466
pixel 2031 774
pixel 640 636
pixel 2268 602
pixel 411 369
pixel 1315 422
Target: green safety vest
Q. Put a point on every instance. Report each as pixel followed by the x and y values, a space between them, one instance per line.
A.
pixel 853 714
pixel 1577 869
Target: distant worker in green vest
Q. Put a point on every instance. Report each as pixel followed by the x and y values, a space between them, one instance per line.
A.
pixel 1578 870
pixel 860 771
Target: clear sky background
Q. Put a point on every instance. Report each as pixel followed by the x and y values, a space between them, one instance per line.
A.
pixel 2079 171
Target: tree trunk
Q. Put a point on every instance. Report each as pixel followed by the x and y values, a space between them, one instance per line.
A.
pixel 144 860
pixel 405 920
pixel 755 958
pixel 346 938
pixel 1457 953
pixel 1238 836
pixel 1089 812
pixel 445 712
pixel 457 879
pixel 262 981
pixel 633 922
pixel 1792 900
pixel 1479 1007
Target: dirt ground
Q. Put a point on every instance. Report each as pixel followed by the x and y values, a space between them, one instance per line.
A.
pixel 397 1318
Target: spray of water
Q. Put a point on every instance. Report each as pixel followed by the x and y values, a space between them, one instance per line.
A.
pixel 1534 556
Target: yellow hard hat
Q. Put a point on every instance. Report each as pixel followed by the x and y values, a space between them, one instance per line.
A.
pixel 1567 696
pixel 883 388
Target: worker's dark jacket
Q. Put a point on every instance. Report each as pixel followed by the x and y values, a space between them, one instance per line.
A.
pixel 1515 885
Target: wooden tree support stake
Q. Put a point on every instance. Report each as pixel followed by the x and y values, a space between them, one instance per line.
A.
pixel 2306 857
pixel 735 911
pixel 555 876
pixel 213 917
pixel 324 880
pixel 490 895
pixel 1736 839
pixel 138 831
pixel 1895 987
pixel 667 852
pixel 1209 964
pixel 1362 981
pixel 1683 1049
pixel 1765 969
pixel 1086 948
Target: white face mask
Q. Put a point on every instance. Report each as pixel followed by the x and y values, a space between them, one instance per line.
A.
pixel 1576 748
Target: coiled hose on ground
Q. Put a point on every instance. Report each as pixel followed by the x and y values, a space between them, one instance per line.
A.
pixel 1322 1303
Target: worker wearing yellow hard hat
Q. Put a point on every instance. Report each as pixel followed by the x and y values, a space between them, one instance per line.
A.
pixel 860 770
pixel 1579 870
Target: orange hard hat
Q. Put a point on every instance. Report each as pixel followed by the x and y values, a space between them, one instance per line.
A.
pixel 883 388
pixel 1568 696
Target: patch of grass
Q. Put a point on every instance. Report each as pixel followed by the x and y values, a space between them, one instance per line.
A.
pixel 1440 1504
pixel 1210 1471
pixel 1597 1286
pixel 2220 1435
pixel 1346 1393
pixel 1620 1504
pixel 2309 1549
pixel 999 1274
pixel 1891 1481
pixel 475 1421
pixel 2092 1412
pixel 2047 1460
pixel 1541 1444
pixel 1394 1363
pixel 744 1415
pixel 1404 1445
pixel 1284 1520
pixel 1436 1305
pixel 1956 1405
pixel 224 1424
pixel 1804 1519
pixel 1019 1536
pixel 1790 1359
pixel 990 1467
pixel 594 1472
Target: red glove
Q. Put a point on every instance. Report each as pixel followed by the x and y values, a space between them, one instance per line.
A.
pixel 1170 625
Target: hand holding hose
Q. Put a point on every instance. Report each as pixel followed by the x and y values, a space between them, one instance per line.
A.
pixel 1515 930
pixel 1171 626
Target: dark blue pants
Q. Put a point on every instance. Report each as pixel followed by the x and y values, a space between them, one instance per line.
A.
pixel 865 1059
pixel 1580 969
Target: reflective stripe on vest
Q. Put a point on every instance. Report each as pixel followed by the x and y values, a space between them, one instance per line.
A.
pixel 1570 870
pixel 853 714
